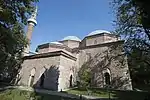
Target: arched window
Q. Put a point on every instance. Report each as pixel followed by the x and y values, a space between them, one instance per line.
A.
pixel 31 77
pixel 107 78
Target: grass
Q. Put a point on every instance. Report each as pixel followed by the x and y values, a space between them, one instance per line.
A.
pixel 15 94
pixel 116 94
pixel 92 92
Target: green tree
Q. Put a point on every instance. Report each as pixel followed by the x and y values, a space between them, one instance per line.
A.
pixel 133 17
pixel 13 18
pixel 85 75
pixel 133 23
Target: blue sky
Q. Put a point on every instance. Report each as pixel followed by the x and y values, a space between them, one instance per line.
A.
pixel 60 18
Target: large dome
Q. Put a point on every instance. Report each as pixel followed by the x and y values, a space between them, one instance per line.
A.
pixel 98 32
pixel 71 38
pixel 58 43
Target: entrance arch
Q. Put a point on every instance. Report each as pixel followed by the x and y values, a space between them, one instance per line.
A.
pixel 106 76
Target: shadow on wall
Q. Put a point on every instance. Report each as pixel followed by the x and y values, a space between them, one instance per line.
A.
pixel 112 59
pixel 49 79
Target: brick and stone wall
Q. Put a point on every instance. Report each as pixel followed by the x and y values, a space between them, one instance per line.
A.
pixel 71 43
pixel 109 56
pixel 94 40
pixel 67 68
pixel 56 67
pixel 38 64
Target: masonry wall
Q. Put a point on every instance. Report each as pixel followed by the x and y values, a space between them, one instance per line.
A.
pixel 49 49
pixel 94 40
pixel 71 43
pixel 67 68
pixel 42 66
pixel 109 57
pixel 108 38
pixel 101 38
pixel 43 50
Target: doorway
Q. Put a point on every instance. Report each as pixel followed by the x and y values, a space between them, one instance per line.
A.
pixel 70 81
pixel 107 78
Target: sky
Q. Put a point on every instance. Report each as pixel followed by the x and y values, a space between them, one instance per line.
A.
pixel 60 18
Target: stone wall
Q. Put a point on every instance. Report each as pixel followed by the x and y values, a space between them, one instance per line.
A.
pixel 108 57
pixel 71 43
pixel 43 50
pixel 108 38
pixel 40 65
pixel 67 68
pixel 94 40
pixel 49 49
pixel 55 71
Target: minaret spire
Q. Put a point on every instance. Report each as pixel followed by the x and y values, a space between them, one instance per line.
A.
pixel 33 16
pixel 31 24
pixel 32 19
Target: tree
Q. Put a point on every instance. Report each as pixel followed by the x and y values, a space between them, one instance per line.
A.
pixel 133 23
pixel 85 75
pixel 133 16
pixel 13 18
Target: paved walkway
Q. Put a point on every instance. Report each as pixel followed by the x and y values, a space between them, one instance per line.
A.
pixel 95 98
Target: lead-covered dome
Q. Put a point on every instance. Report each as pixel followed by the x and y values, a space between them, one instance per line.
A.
pixel 74 38
pixel 98 32
pixel 57 43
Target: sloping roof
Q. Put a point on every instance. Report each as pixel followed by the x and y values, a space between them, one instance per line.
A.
pixel 51 54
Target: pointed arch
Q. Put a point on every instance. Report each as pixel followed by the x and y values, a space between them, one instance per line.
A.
pixel 31 77
pixel 42 77
pixel 71 79
pixel 106 76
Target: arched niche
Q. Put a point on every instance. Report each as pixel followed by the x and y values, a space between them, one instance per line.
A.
pixel 31 77
pixel 71 79
pixel 32 72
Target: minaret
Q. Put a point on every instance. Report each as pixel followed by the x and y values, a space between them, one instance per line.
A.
pixel 31 23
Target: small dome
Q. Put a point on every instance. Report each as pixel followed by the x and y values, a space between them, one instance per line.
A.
pixel 56 43
pixel 71 38
pixel 98 32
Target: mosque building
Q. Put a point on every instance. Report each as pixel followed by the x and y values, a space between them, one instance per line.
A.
pixel 57 64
